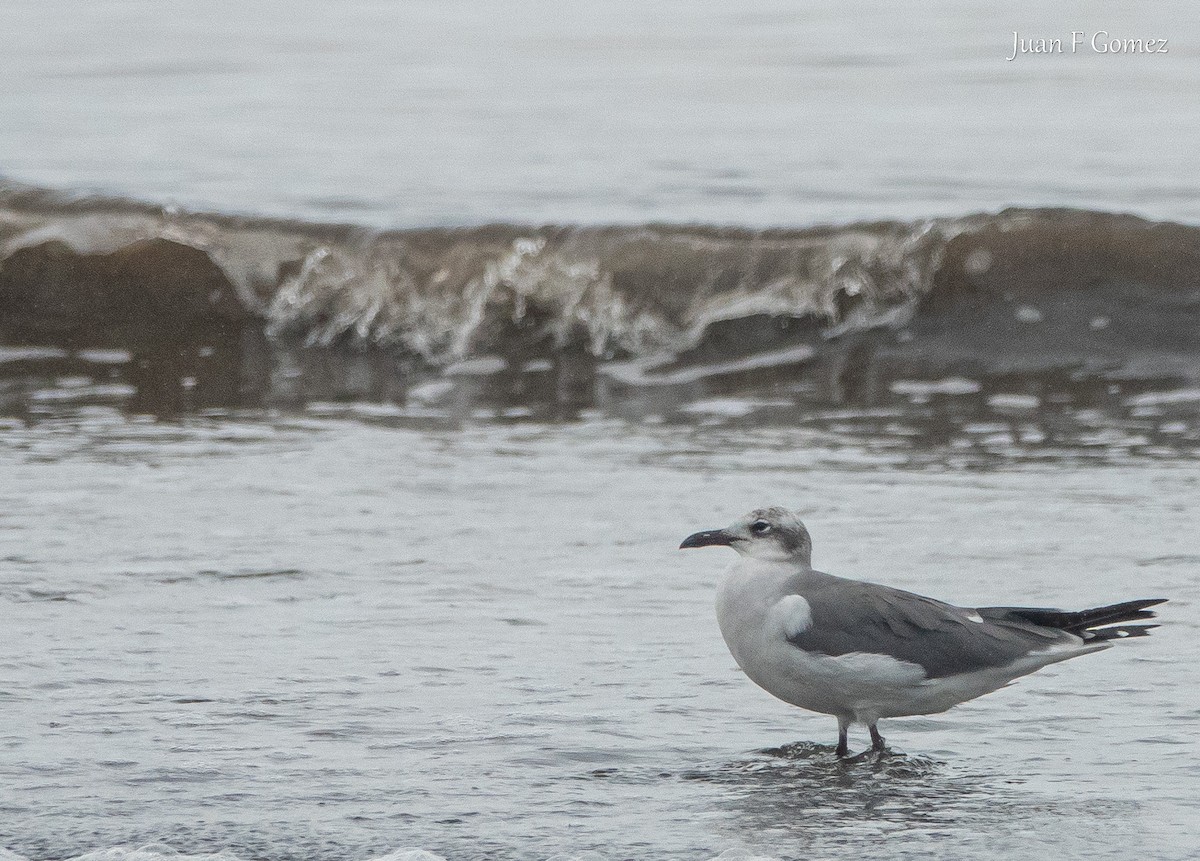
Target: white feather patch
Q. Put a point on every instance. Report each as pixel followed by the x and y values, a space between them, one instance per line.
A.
pixel 974 617
pixel 793 615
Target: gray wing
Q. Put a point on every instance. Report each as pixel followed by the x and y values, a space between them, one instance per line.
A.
pixel 851 616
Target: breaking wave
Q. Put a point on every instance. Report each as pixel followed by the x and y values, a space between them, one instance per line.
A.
pixel 635 291
pixel 447 294
pixel 167 311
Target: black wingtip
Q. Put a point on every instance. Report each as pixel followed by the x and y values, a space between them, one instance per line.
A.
pixel 1138 609
pixel 1081 620
pixel 1132 606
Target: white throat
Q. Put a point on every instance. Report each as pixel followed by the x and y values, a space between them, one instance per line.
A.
pixel 770 551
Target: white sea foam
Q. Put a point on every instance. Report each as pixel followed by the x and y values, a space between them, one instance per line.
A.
pixel 106 357
pixel 645 374
pixel 159 852
pixel 1179 396
pixel 478 367
pixel 74 393
pixel 30 354
pixel 925 388
pixel 1012 401
pixel 432 391
pixel 152 852
pixel 731 407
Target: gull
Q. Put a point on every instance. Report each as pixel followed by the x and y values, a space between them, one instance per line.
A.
pixel 862 652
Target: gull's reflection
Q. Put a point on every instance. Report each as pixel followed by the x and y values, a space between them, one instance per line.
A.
pixel 802 794
pixel 805 775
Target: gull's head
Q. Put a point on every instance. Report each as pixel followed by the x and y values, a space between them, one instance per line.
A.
pixel 769 534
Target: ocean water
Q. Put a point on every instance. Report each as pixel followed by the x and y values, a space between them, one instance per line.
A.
pixel 346 531
pixel 327 637
pixel 766 112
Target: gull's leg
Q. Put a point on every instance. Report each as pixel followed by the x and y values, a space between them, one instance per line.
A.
pixel 843 748
pixel 876 739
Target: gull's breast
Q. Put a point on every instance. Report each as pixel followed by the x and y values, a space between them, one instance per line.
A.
pixel 757 617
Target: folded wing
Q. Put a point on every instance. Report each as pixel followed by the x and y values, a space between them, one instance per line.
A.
pixel 850 616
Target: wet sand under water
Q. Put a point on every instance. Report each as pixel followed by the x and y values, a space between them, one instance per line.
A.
pixel 335 635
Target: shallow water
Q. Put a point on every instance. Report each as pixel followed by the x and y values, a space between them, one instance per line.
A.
pixel 760 112
pixel 289 635
pixel 269 602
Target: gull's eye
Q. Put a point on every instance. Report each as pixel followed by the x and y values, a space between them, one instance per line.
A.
pixel 760 527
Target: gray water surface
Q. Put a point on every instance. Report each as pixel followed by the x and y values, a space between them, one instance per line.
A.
pixel 750 113
pixel 324 617
pixel 289 637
